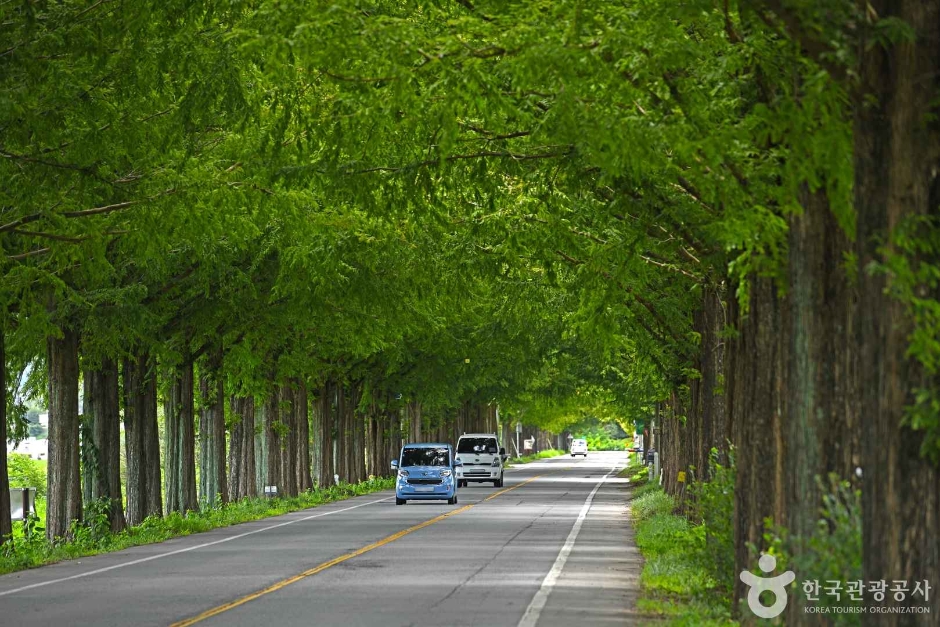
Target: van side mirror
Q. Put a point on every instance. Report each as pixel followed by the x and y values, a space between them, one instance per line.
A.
pixel 394 464
pixel 502 451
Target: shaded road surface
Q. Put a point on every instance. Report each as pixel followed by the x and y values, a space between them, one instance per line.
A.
pixel 553 547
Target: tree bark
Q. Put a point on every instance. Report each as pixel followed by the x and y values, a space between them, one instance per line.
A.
pixel 272 441
pixel 64 490
pixel 342 432
pixel 141 439
pixel 103 412
pixel 759 404
pixel 326 435
pixel 213 488
pixel 241 465
pixel 289 441
pixel 897 150
pixel 6 524
pixel 302 420
pixel 180 441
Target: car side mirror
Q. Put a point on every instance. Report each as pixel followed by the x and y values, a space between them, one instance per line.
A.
pixel 457 462
pixel 394 464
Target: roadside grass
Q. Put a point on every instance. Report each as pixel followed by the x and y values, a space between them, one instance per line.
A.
pixel 636 472
pixel 677 585
pixel 531 458
pixel 30 548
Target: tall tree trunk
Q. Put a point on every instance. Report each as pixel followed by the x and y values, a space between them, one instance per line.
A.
pixel 897 154
pixel 342 433
pixel 6 524
pixel 212 477
pixel 180 441
pixel 241 459
pixel 355 433
pixel 103 412
pixel 759 405
pixel 289 441
pixel 141 439
pixel 821 425
pixel 302 421
pixel 64 500
pixel 272 441
pixel 326 435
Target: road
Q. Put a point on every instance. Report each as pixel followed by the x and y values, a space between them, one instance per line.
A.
pixel 552 547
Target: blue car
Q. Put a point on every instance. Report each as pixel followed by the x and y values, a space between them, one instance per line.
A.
pixel 426 473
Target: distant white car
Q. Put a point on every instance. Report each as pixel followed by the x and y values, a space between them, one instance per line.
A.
pixel 579 447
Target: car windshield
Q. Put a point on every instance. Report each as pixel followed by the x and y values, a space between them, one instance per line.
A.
pixel 476 445
pixel 425 457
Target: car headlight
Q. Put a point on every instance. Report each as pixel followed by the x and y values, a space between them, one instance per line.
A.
pixel 402 473
pixel 495 463
pixel 445 473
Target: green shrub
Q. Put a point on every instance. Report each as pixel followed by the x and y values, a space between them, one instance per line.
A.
pixel 714 507
pixel 26 472
pixel 833 551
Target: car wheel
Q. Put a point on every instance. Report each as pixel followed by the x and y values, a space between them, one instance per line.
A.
pixel 572 454
pixel 399 501
pixel 452 501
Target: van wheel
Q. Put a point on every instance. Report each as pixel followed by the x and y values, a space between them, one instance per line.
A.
pixel 399 501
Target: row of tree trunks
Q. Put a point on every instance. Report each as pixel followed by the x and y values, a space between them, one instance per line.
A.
pixel 241 464
pixel 102 411
pixel 213 489
pixel 690 430
pixel 179 441
pixel 141 439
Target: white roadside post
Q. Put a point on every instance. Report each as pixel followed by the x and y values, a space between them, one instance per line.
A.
pixel 518 433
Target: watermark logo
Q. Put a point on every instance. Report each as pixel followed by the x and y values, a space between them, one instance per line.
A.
pixel 777 585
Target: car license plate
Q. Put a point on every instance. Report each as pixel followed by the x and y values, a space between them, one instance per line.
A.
pixel 425 488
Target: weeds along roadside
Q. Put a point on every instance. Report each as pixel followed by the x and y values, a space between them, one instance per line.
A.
pixel 688 576
pixel 30 548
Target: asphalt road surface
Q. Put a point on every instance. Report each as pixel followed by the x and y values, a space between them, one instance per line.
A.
pixel 552 547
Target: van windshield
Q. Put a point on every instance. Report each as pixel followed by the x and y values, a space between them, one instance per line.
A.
pixel 476 445
pixel 425 457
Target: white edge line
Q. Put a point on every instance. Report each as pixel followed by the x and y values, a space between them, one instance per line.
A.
pixel 532 613
pixel 184 550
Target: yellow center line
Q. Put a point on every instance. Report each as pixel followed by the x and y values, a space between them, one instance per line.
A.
pixel 338 560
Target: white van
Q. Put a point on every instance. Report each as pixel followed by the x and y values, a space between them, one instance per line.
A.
pixel 482 459
pixel 579 447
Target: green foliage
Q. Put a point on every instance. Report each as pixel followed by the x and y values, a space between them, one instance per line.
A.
pixel 93 536
pixel 833 551
pixel 714 507
pixel 26 472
